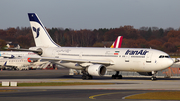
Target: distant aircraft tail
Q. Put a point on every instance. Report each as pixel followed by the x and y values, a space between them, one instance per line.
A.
pixel 40 34
pixel 117 43
pixel 5 63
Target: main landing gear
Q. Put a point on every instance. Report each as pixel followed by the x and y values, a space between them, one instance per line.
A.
pixel 86 76
pixel 153 76
pixel 117 76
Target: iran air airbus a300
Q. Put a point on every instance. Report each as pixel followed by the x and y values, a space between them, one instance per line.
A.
pixel 96 61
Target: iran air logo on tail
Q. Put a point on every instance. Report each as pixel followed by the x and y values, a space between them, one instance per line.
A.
pixel 37 31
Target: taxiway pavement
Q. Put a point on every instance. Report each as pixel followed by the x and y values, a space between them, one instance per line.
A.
pixel 118 90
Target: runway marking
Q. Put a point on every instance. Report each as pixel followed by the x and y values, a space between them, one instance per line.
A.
pixel 62 80
pixel 92 97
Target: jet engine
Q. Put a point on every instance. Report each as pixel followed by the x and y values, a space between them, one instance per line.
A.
pixel 145 73
pixel 96 70
pixel 31 60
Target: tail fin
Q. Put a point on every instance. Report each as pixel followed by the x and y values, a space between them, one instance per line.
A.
pixel 117 43
pixel 40 34
pixel 5 63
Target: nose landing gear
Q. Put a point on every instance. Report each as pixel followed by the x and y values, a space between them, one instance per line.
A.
pixel 153 76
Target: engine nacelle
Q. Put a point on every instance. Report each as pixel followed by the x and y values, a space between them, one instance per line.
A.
pixel 145 73
pixel 96 70
pixel 31 60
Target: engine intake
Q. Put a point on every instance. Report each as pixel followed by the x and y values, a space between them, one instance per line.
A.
pixel 96 70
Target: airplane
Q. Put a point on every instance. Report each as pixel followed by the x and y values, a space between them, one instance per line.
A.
pixel 95 61
pixel 21 63
pixel 16 63
pixel 16 54
pixel 17 60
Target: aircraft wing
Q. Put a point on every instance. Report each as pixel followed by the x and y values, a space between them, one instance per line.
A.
pixel 105 62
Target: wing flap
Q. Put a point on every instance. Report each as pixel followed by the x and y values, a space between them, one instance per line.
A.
pixel 73 60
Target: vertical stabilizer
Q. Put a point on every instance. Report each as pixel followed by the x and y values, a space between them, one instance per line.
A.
pixel 40 34
pixel 117 43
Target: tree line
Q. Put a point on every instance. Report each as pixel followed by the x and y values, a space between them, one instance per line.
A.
pixel 167 40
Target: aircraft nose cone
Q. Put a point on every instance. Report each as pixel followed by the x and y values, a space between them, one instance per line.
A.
pixel 170 62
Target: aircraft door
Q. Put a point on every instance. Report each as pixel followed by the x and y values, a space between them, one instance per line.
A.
pixel 80 55
pixel 126 58
pixel 148 58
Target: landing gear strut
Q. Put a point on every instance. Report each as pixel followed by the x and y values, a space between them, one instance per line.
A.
pixel 153 76
pixel 86 76
pixel 117 76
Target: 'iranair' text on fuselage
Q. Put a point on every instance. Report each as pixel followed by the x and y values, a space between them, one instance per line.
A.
pixel 136 52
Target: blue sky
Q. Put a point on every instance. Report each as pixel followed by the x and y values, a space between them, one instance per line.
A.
pixel 91 14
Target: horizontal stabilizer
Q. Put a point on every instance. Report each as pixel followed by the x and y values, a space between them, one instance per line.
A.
pixel 7 56
pixel 35 51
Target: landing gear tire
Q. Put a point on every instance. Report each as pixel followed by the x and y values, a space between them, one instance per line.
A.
pixel 113 77
pixel 153 78
pixel 119 77
pixel 83 77
pixel 116 77
pixel 87 77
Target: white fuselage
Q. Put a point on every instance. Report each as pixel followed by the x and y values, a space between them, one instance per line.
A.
pixel 123 59
pixel 16 54
pixel 15 62
pixel 19 62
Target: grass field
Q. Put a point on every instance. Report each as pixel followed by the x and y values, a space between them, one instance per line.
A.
pixel 58 84
pixel 165 95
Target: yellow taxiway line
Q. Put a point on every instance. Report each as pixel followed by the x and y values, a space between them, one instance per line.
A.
pixel 92 97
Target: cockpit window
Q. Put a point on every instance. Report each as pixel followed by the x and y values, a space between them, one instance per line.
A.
pixel 163 56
